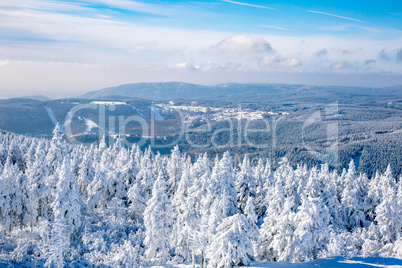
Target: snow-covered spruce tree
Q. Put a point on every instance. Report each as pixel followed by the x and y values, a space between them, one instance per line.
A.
pixel 185 216
pixel 129 170
pixel 321 186
pixel 227 186
pixel 29 156
pixel 374 195
pixel 199 243
pixel 86 173
pixel 184 237
pixel 245 184
pixel 174 170
pixel 200 174
pixel 232 244
pixel 329 197
pixel 249 212
pixel 371 241
pixel 116 212
pixel 399 193
pixel 352 202
pixel 268 177
pixel 106 184
pixel 258 172
pixel 14 155
pixel 268 184
pixel 68 206
pixel 137 202
pixel 38 191
pixel 58 245
pixel 198 211
pixel 124 255
pixel 159 164
pixel 158 222
pixel 139 191
pixel 136 154
pixel 57 150
pixel 269 229
pixel 388 212
pixel 315 184
pixel 14 198
pixel 312 234
pixel 146 175
pixel 210 214
pixel 114 187
pixel 221 198
pixel 292 185
pixel 97 193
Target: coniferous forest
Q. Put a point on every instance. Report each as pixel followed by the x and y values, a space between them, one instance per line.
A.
pixel 70 205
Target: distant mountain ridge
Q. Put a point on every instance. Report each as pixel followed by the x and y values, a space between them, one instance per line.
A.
pixel 179 90
pixel 36 97
pixel 152 91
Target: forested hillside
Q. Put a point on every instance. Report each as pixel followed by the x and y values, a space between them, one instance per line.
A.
pixel 111 206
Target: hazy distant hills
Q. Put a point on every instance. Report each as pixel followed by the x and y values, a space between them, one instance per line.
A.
pixel 36 115
pixel 153 91
pixel 179 90
pixel 369 119
pixel 36 97
pixel 25 116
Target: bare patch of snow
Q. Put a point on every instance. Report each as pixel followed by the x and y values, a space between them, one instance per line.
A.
pixel 109 102
pixel 90 125
pixel 51 115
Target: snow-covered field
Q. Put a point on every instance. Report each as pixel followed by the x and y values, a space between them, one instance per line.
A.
pixel 109 102
pixel 336 262
pixel 217 114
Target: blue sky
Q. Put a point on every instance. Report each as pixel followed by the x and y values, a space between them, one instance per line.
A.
pixel 64 48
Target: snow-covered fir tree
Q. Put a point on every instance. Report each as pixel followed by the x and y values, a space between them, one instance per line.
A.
pixel 232 244
pixel 158 221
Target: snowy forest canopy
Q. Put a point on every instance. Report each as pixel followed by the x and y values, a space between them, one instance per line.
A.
pixel 111 206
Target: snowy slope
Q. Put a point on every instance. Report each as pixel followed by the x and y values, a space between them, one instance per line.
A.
pixel 337 262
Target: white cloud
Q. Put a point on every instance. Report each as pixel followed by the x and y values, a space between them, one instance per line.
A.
pixel 278 61
pixel 131 5
pixel 276 27
pixel 139 48
pixel 67 37
pixel 384 55
pixel 247 4
pixel 4 62
pixel 186 66
pixel 399 55
pixel 242 43
pixel 268 60
pixel 369 61
pixel 333 15
pixel 290 63
pixel 343 65
pixel 321 53
pixel 44 5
